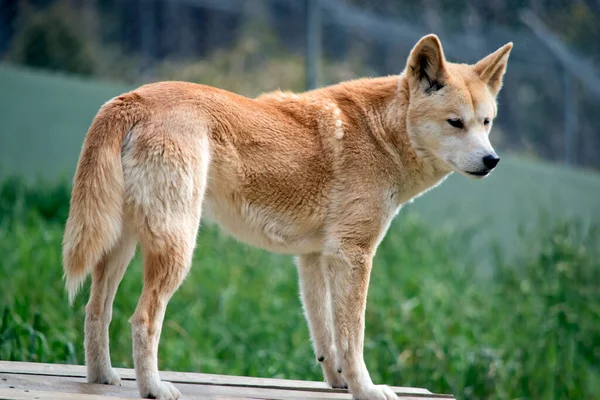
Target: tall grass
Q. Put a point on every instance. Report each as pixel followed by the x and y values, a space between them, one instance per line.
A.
pixel 532 331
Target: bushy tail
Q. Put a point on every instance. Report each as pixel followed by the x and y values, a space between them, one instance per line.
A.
pixel 96 212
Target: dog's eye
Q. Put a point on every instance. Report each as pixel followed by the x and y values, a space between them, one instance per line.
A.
pixel 457 123
pixel 486 121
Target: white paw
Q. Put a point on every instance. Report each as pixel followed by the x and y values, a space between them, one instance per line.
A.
pixel 374 392
pixel 108 377
pixel 161 391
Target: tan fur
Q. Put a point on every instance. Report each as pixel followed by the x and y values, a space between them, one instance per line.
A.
pixel 319 175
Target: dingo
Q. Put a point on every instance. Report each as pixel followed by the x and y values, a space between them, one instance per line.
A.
pixel 319 175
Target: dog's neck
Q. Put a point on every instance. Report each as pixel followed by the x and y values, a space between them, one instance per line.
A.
pixel 398 130
pixel 383 105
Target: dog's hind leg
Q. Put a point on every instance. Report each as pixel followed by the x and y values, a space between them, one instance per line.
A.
pixel 106 276
pixel 166 189
pixel 165 267
pixel 316 299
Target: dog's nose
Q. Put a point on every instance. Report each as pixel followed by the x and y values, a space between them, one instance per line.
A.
pixel 491 160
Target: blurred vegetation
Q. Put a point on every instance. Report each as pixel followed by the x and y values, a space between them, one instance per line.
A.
pixel 52 39
pixel 532 331
pixel 574 21
pixel 20 201
pixel 244 70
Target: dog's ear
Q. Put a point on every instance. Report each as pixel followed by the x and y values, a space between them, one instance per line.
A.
pixel 426 65
pixel 491 69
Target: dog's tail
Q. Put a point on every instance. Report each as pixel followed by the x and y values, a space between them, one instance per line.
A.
pixel 95 216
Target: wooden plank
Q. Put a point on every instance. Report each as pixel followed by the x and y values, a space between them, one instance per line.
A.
pixel 60 386
pixel 78 371
pixel 16 394
pixel 129 390
pixel 176 377
pixel 20 394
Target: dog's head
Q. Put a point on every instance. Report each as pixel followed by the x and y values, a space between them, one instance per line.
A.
pixel 452 107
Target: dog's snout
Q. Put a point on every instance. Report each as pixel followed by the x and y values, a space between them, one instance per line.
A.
pixel 491 160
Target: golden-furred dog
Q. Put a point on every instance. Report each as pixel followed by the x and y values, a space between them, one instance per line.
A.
pixel 319 175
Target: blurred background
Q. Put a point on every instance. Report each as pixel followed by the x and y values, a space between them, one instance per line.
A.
pixel 483 289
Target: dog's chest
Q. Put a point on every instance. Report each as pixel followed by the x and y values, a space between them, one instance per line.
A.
pixel 389 210
pixel 392 200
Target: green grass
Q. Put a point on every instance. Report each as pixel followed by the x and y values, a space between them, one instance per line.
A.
pixel 529 331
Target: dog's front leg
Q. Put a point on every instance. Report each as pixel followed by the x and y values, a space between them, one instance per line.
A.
pixel 350 269
pixel 316 299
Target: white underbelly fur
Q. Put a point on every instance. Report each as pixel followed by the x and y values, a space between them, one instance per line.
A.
pixel 259 227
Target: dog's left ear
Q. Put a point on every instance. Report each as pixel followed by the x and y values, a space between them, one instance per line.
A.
pixel 427 65
pixel 491 69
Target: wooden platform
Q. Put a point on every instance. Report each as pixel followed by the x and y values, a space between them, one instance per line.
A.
pixel 20 381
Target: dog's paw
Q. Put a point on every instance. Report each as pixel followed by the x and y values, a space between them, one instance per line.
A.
pixel 109 377
pixel 334 378
pixel 375 392
pixel 337 382
pixel 162 391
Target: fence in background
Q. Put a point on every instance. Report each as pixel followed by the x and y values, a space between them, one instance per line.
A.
pixel 547 108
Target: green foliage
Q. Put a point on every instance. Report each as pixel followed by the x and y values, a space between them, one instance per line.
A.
pixel 532 331
pixel 252 67
pixel 51 39
pixel 20 201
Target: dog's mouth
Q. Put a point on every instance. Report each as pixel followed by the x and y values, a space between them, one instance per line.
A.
pixel 471 174
pixel 479 173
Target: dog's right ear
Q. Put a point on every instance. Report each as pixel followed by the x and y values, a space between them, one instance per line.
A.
pixel 426 65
